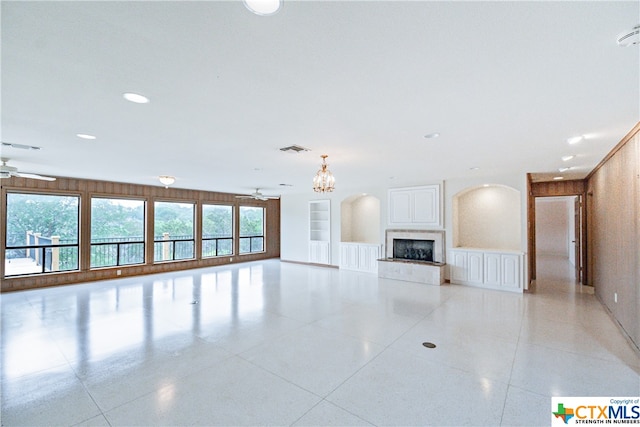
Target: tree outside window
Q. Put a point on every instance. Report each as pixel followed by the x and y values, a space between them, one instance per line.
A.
pixel 174 231
pixel 217 230
pixel 117 232
pixel 42 233
pixel 251 229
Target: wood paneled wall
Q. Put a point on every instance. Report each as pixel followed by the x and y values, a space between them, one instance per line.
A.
pixel 613 204
pixel 86 189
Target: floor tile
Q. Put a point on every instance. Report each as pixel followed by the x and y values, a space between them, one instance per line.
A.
pixel 233 392
pixel 313 358
pixel 328 414
pixel 399 389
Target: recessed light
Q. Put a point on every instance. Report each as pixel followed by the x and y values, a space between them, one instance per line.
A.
pixel 567 158
pixel 134 97
pixel 85 136
pixel 432 135
pixel 557 178
pixel 263 7
pixel 475 168
pixel 575 139
pixel 563 169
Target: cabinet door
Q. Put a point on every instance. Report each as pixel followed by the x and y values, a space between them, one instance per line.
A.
pixel 510 271
pixel 368 258
pixel 459 266
pixel 492 269
pixel 426 206
pixel 319 252
pixel 400 207
pixel 474 267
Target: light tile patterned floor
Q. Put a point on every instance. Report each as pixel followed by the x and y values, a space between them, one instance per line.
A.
pixel 271 343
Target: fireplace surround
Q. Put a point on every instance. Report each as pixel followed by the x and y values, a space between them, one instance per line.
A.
pixel 414 255
pixel 414 245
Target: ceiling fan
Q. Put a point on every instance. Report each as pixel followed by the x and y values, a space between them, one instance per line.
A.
pixel 257 195
pixel 9 171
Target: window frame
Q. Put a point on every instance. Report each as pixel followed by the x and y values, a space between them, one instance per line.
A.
pixel 233 228
pixel 172 242
pixel 262 236
pixel 43 247
pixel 118 244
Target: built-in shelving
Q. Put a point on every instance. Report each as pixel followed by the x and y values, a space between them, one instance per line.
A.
pixel 320 231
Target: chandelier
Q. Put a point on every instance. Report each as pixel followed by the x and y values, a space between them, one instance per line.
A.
pixel 324 181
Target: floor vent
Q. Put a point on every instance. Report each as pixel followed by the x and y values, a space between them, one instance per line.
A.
pixel 294 149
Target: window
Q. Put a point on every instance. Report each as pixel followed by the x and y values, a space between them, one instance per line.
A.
pixel 173 225
pixel 42 233
pixel 251 229
pixel 117 232
pixel 217 230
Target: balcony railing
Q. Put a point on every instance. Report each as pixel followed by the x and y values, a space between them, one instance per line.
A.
pixel 41 254
pixel 216 246
pixel 250 244
pixel 116 251
pixel 166 248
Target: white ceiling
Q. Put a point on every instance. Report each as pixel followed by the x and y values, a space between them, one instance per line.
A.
pixel 504 83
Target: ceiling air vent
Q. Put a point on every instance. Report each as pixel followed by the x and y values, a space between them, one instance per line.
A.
pixel 630 38
pixel 294 149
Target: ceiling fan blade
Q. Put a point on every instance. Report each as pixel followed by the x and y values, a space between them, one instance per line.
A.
pixel 33 176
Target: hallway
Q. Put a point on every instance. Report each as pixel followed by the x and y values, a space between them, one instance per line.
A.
pixel 275 343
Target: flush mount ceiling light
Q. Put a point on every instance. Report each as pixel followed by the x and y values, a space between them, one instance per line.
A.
pixel 432 135
pixel 567 158
pixel 135 97
pixel 263 7
pixel 167 180
pixel 629 38
pixel 85 136
pixel 575 139
pixel 324 181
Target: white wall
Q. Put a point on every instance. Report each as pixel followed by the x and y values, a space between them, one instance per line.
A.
pixel 294 213
pixel 487 217
pixel 294 219
pixel 365 220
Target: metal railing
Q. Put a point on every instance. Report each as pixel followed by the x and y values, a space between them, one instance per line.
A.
pixel 46 258
pixel 116 251
pixel 166 248
pixel 216 246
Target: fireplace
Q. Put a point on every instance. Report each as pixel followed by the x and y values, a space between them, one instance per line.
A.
pixel 415 246
pixel 413 250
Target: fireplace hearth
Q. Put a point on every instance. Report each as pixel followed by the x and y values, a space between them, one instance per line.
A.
pixel 414 255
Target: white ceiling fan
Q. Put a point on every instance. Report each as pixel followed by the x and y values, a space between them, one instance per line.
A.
pixel 257 195
pixel 9 171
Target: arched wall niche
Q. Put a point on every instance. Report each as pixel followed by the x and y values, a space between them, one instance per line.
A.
pixel 488 217
pixel 360 219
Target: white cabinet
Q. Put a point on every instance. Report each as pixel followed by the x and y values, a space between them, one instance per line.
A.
pixel 320 231
pixel 487 268
pixel 415 205
pixel 319 252
pixel 359 256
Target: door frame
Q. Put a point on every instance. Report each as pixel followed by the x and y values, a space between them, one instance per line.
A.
pixel 555 189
